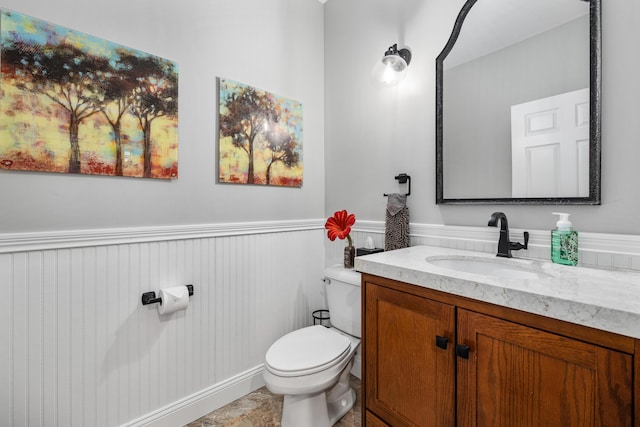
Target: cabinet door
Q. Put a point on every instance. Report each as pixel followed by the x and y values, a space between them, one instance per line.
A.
pixel 520 376
pixel 410 381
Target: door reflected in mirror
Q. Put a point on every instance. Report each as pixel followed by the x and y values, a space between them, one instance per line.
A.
pixel 550 146
pixel 518 111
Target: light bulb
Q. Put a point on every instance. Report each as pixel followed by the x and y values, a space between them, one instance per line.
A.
pixel 389 71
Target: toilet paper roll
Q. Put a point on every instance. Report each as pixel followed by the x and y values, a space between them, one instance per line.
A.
pixel 173 299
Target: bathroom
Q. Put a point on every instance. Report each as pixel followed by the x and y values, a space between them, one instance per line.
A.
pixel 76 252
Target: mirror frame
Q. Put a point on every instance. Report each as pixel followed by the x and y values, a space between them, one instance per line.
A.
pixel 594 121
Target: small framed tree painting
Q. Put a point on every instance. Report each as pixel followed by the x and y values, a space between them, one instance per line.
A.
pixel 260 137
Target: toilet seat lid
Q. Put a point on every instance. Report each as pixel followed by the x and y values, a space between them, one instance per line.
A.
pixel 307 349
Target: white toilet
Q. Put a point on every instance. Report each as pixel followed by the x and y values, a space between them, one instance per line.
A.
pixel 311 366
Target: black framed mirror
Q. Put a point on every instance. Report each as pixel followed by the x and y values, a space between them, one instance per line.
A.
pixel 518 104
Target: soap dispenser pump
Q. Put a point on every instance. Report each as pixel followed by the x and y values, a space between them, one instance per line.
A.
pixel 564 241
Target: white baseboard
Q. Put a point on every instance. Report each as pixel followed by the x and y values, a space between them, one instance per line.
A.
pixel 199 404
pixel 184 411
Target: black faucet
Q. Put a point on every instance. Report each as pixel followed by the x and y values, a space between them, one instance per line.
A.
pixel 504 245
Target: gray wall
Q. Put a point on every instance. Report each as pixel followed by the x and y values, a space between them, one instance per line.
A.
pixel 274 45
pixel 373 134
pixel 369 135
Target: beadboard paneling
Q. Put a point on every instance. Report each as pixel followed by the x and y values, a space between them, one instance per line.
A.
pixel 79 349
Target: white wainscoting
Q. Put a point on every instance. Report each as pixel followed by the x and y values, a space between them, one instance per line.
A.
pixel 79 348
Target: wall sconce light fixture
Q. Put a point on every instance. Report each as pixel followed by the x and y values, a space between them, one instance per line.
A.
pixel 392 68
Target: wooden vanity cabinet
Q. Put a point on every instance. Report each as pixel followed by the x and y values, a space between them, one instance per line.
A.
pixel 404 364
pixel 434 359
pixel 518 375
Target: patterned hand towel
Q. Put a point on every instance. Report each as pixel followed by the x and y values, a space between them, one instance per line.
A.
pixel 396 233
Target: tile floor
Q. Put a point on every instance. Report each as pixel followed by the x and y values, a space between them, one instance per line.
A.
pixel 263 409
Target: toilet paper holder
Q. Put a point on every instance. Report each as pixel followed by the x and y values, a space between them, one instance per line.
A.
pixel 150 297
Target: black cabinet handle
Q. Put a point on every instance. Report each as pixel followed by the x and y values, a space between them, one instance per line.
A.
pixel 441 342
pixel 462 351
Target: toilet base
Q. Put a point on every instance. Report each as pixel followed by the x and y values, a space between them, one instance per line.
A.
pixel 341 398
pixel 321 409
pixel 306 410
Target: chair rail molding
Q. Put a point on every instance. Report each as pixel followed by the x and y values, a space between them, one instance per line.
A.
pixel 31 241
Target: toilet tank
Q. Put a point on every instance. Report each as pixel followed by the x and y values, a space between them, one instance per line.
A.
pixel 344 299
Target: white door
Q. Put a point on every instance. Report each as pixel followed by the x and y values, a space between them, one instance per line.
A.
pixel 550 146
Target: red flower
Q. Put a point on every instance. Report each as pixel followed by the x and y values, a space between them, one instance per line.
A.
pixel 339 225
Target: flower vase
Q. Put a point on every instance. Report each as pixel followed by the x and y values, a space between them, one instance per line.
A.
pixel 349 256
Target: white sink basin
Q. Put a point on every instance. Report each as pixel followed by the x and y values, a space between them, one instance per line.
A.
pixel 496 267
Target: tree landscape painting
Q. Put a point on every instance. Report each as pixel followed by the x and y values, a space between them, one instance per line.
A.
pixel 74 103
pixel 260 139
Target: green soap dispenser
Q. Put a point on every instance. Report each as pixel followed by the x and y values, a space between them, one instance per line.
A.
pixel 564 242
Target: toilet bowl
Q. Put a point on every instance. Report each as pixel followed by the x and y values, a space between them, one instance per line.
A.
pixel 311 366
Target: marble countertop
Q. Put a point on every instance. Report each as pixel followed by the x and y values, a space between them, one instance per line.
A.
pixel 600 298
